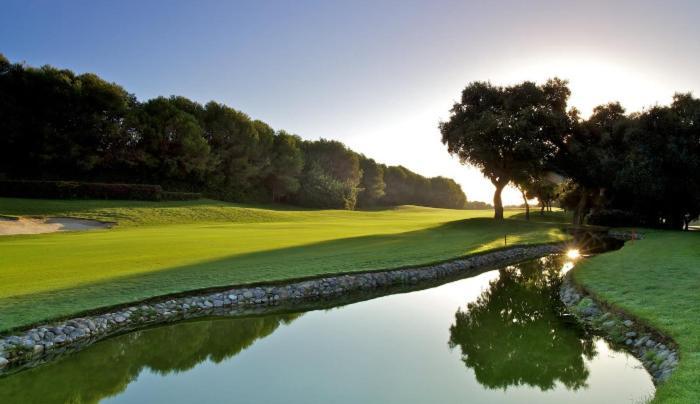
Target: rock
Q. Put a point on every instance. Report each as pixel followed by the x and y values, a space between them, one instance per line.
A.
pixel 630 334
pixel 628 323
pixel 12 340
pixel 3 362
pixel 590 311
pixel 609 324
pixel 641 341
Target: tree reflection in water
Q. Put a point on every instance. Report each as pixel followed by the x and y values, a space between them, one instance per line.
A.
pixel 111 365
pixel 514 334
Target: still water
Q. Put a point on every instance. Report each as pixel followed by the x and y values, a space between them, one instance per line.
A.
pixel 499 337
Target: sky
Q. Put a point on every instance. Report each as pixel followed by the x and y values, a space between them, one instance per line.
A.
pixel 376 75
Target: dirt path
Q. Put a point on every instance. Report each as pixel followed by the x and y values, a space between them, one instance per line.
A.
pixel 30 225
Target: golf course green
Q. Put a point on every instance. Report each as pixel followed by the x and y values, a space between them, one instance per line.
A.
pixel 160 248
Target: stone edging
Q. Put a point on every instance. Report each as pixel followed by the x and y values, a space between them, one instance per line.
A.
pixel 658 353
pixel 625 235
pixel 41 343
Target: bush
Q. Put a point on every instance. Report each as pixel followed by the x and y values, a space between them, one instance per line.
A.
pixel 179 196
pixel 320 190
pixel 477 205
pixel 89 190
pixel 613 218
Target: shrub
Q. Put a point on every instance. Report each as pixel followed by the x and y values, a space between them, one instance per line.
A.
pixel 179 196
pixel 613 218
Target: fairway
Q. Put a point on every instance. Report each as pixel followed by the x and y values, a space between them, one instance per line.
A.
pixel 657 279
pixel 157 249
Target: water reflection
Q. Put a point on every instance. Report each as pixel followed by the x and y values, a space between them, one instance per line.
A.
pixel 106 369
pixel 513 334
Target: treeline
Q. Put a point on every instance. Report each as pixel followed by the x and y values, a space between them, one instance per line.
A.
pixel 56 125
pixel 635 169
pixel 639 169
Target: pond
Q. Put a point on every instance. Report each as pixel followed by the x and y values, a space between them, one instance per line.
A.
pixel 499 337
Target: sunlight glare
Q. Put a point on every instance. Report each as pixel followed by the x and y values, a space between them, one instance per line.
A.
pixel 595 80
pixel 573 254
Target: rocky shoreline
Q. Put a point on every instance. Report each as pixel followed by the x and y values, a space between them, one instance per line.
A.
pixel 658 353
pixel 43 343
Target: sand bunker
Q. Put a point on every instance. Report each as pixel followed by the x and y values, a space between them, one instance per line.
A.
pixel 31 225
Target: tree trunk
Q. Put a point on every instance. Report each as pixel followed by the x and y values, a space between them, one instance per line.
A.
pixel 542 206
pixel 676 221
pixel 497 202
pixel 579 212
pixel 527 206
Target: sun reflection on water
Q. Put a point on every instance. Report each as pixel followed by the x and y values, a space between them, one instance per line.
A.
pixel 568 266
pixel 573 254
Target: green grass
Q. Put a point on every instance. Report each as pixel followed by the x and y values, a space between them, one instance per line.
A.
pixel 163 248
pixel 657 279
pixel 136 213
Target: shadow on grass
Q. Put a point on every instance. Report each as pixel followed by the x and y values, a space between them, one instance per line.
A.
pixel 356 254
pixel 554 217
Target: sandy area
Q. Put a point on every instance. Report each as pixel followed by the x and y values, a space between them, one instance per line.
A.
pixel 31 225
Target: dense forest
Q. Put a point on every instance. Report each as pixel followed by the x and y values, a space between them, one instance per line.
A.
pixel 614 168
pixel 56 125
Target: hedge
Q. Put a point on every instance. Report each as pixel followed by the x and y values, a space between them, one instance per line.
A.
pixel 179 196
pixel 614 218
pixel 89 190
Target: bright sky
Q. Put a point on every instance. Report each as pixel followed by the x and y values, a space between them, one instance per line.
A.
pixel 377 75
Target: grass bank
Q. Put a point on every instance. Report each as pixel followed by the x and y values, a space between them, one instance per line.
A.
pixel 657 279
pixel 171 247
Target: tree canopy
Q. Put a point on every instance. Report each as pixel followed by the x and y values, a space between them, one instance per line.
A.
pixel 509 133
pixel 635 169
